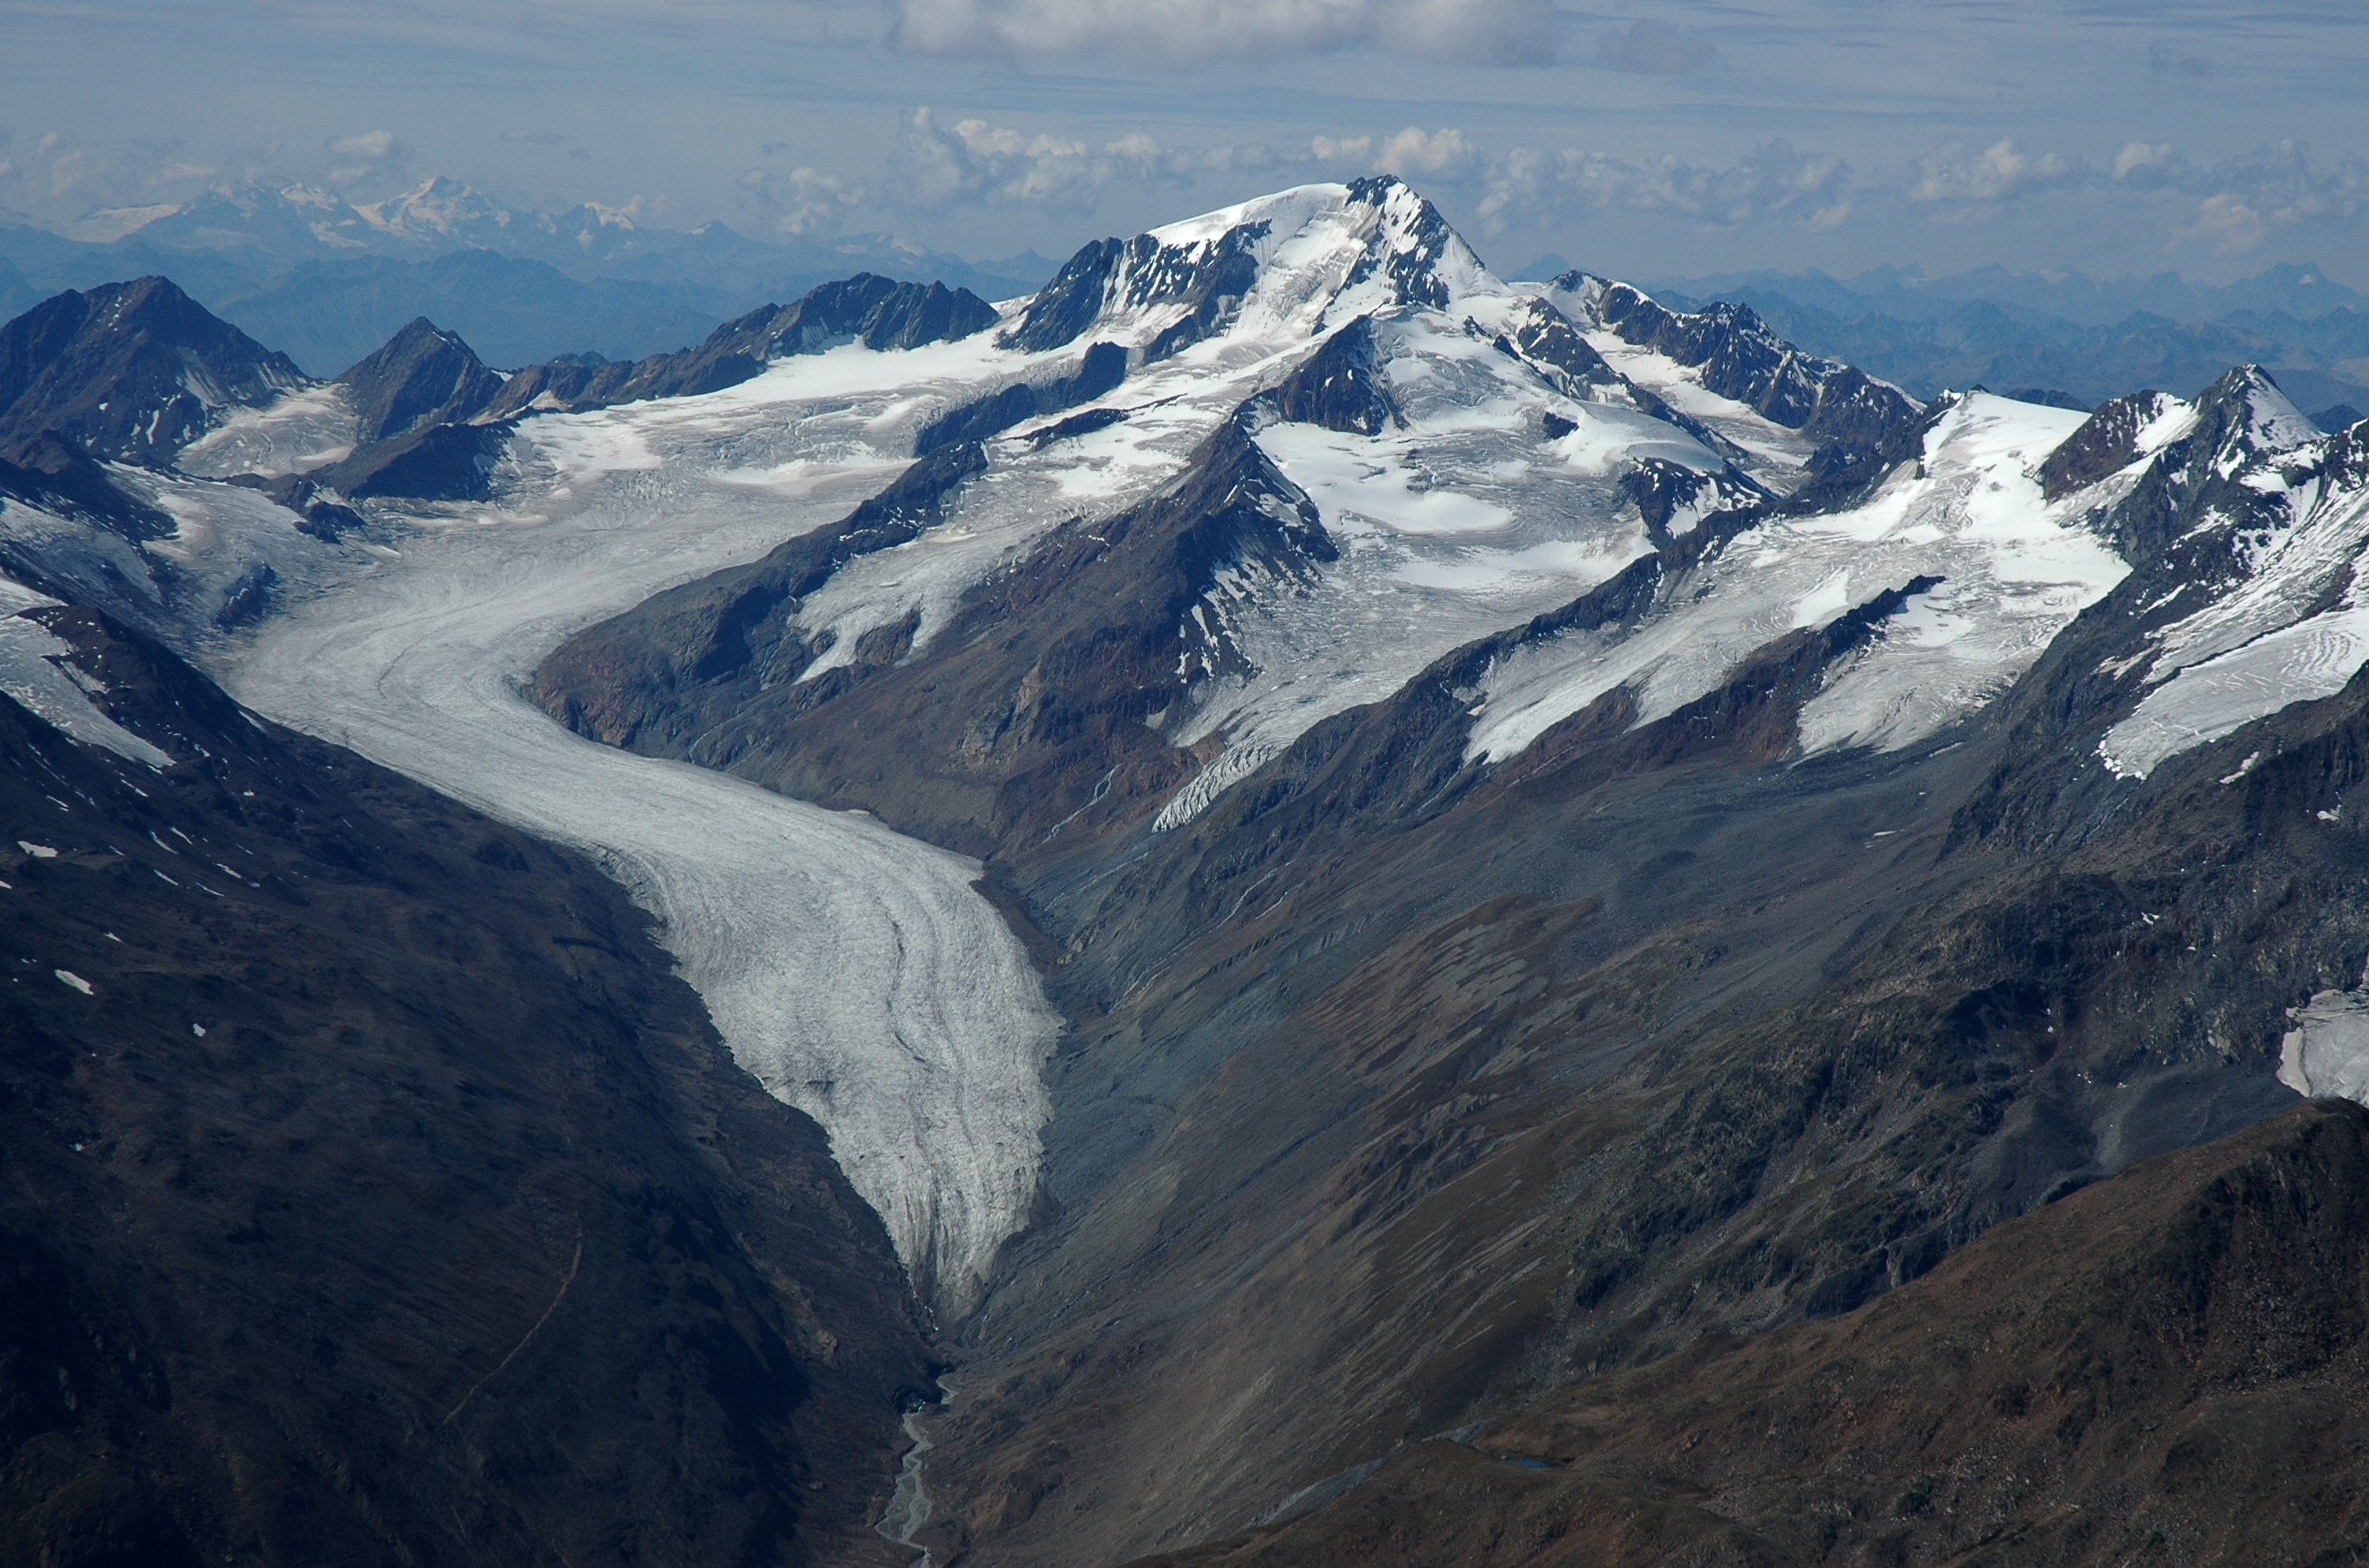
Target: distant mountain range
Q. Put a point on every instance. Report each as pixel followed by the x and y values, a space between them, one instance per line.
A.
pixel 331 279
pixel 2082 338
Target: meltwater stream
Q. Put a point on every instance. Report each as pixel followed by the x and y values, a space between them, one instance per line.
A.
pixel 855 972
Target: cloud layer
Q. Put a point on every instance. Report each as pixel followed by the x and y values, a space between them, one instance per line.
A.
pixel 1509 31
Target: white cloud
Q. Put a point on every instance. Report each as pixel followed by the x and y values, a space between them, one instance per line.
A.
pixel 805 200
pixel 2226 223
pixel 1414 153
pixel 2240 201
pixel 1509 31
pixel 1949 174
pixel 363 156
pixel 370 145
pixel 936 166
pixel 1529 188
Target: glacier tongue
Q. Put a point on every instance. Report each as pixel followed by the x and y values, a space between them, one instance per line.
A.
pixel 856 973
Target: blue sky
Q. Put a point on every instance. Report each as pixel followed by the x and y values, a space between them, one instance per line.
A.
pixel 1646 140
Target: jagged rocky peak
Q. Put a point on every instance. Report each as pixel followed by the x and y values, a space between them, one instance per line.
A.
pixel 1298 260
pixel 2240 421
pixel 2245 526
pixel 2116 435
pixel 423 375
pixel 1738 357
pixel 131 370
pixel 876 312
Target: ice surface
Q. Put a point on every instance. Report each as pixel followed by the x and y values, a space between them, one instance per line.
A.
pixel 294 431
pixel 1471 517
pixel 2326 1053
pixel 1778 454
pixel 2014 571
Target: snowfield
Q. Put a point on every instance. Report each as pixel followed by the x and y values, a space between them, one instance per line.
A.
pixel 2013 572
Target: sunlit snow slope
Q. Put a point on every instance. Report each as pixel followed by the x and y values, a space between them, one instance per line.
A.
pixel 2294 624
pixel 2012 570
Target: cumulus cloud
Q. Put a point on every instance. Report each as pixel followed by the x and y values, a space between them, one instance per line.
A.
pixel 2228 225
pixel 1530 186
pixel 64 175
pixel 1415 154
pixel 356 158
pixel 1950 174
pixel 804 201
pixel 1508 31
pixel 1655 49
pixel 2240 201
pixel 975 163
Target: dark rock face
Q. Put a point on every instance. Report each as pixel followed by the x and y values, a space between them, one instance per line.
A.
pixel 2167 1364
pixel 47 471
pixel 1413 271
pixel 325 519
pixel 132 371
pixel 728 632
pixel 421 376
pixel 435 462
pixel 2106 443
pixel 1102 369
pixel 1210 277
pixel 384 1197
pixel 1546 340
pixel 1424 1088
pixel 1340 387
pixel 1072 301
pixel 1668 492
pixel 876 312
pixel 1741 358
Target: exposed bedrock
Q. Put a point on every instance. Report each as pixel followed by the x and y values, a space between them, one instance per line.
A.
pixel 2169 1364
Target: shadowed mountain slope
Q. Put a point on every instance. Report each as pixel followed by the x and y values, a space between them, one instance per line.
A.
pixel 373 1190
pixel 420 376
pixel 129 370
pixel 866 309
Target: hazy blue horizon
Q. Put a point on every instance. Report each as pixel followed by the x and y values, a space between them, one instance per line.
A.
pixel 1668 141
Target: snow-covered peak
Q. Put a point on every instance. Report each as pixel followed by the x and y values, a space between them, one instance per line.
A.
pixel 1285 267
pixel 2255 526
pixel 1725 366
pixel 2271 424
pixel 437 207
